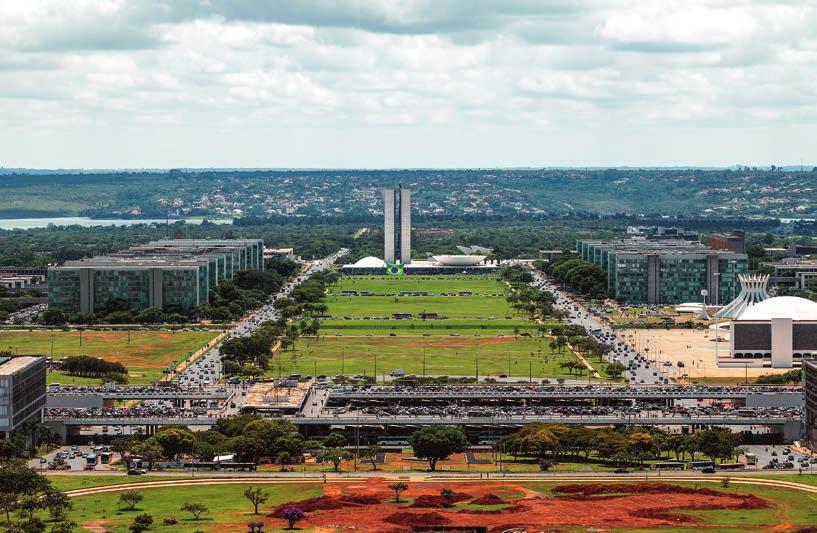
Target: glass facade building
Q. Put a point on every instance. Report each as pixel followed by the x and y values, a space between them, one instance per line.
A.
pixel 22 391
pixel 654 272
pixel 163 274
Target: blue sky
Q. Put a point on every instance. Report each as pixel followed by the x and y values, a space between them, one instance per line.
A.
pixel 402 83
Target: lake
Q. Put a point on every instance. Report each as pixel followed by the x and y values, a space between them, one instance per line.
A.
pixel 29 223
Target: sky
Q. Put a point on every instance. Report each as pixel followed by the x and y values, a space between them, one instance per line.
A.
pixel 406 83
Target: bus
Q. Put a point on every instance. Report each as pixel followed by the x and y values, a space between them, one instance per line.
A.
pixel 669 465
pixel 91 459
pixel 731 466
pixel 699 465
pixel 105 457
pixel 751 459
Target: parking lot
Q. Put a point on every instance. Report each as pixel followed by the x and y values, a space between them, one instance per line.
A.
pixel 73 458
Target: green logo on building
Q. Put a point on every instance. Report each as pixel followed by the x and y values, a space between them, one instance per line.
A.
pixel 395 269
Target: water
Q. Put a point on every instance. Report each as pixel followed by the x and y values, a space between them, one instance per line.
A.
pixel 29 223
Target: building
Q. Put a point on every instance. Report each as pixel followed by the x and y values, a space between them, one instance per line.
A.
pixel 455 264
pixel 397 225
pixel 280 253
pixel 777 333
pixel 810 393
pixel 658 272
pixel 663 233
pixel 794 272
pixel 22 391
pixel 734 242
pixel 163 274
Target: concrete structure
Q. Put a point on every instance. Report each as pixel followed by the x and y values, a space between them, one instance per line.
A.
pixel 22 391
pixel 752 292
pixel 734 242
pixel 459 260
pixel 778 333
pixel 794 272
pixel 397 225
pixel 663 233
pixel 665 272
pixel 372 266
pixel 810 393
pixel 280 253
pixel 162 274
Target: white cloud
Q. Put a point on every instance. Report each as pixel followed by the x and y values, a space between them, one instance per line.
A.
pixel 410 82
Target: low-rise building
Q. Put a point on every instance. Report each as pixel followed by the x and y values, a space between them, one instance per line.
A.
pixel 794 272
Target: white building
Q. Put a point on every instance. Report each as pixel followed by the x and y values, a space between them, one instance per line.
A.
pixel 776 333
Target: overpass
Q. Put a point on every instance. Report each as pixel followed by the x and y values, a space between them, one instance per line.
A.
pixel 789 425
pixel 98 398
pixel 780 397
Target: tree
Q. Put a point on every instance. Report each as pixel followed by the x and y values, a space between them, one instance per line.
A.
pixel 398 489
pixel 196 509
pixel 448 497
pixel 141 523
pixel 283 458
pixel 8 504
pixel 257 496
pixel 371 454
pixel 64 526
pixel 615 370
pixel 18 478
pixel 292 514
pixel 57 503
pixel 335 440
pixel 334 456
pixel 438 442
pixel 53 317
pixel 131 498
pixel 174 441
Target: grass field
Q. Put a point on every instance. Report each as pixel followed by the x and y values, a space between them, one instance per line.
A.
pixel 785 510
pixel 145 355
pixel 429 284
pixel 226 503
pixel 465 326
pixel 444 355
pixel 488 298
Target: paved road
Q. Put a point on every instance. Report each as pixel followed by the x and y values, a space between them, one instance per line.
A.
pixel 639 369
pixel 207 370
pixel 77 462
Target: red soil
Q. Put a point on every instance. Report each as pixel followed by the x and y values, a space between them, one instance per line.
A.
pixel 403 518
pixel 435 501
pixel 618 506
pixel 488 499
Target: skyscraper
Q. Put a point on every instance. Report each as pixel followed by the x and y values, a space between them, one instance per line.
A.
pixel 397 205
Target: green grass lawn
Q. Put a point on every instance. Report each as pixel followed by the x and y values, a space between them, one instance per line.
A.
pixel 145 355
pixel 229 509
pixel 488 299
pixel 448 306
pixel 464 326
pixel 444 355
pixel 429 284
pixel 73 481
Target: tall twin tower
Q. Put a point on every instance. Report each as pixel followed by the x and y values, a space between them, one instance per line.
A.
pixel 397 206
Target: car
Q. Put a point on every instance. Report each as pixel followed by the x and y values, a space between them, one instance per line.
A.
pixel 708 470
pixel 621 471
pixel 43 460
pixel 136 472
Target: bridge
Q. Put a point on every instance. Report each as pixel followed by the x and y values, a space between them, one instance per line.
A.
pixel 98 398
pixel 781 397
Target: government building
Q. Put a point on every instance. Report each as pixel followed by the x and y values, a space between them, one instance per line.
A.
pixel 665 272
pixel 165 273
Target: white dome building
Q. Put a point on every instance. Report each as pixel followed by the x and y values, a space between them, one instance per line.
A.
pixel 370 262
pixel 778 333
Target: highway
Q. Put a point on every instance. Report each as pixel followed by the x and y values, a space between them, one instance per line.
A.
pixel 639 369
pixel 207 370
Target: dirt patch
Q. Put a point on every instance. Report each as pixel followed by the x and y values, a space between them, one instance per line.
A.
pixel 407 518
pixel 488 499
pixel 614 506
pixel 435 501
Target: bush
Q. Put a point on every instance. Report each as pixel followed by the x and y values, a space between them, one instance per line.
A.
pixel 170 520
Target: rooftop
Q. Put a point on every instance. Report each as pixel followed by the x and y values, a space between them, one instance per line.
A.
pixel 14 364
pixel 782 307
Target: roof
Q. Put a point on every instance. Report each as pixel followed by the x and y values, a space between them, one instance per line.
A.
pixel 370 262
pixel 14 364
pixel 459 260
pixel 782 307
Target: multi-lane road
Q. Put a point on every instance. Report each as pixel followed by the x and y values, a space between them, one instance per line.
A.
pixel 639 369
pixel 207 370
